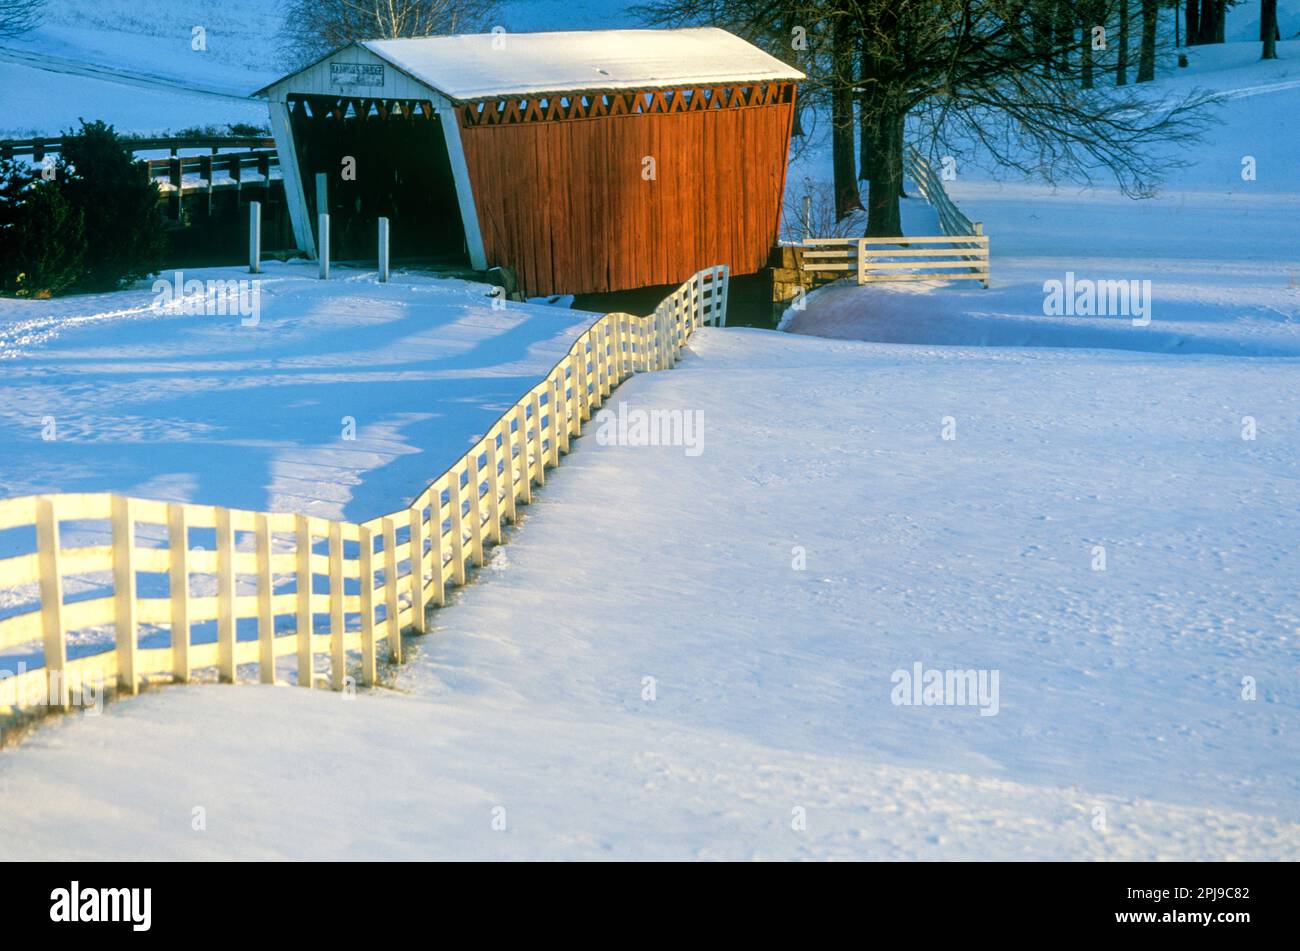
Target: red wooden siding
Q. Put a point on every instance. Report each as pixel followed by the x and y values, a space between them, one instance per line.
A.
pixel 561 197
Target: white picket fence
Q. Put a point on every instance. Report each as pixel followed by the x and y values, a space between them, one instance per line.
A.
pixel 349 588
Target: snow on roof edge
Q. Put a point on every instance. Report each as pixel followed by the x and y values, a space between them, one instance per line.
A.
pixel 465 67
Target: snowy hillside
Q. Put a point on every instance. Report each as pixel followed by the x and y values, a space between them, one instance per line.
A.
pixel 119 61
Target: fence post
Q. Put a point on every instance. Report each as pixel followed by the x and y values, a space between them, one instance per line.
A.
pixel 179 580
pixel 494 491
pixel 584 380
pixel 553 422
pixel 56 650
pixel 457 527
pixel 862 261
pixel 367 572
pixel 436 546
pixel 338 642
pixel 383 250
pixel 265 602
pixel 475 510
pixel 982 253
pixel 124 611
pixel 807 217
pixel 725 273
pixel 507 468
pixel 417 568
pixel 392 607
pixel 324 253
pixel 225 597
pixel 306 666
pixel 205 173
pixel 254 237
pixel 521 440
pixel 537 438
pixel 177 183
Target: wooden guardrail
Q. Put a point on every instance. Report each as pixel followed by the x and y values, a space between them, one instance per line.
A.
pixel 960 253
pixel 202 170
pixel 366 582
pixel 180 175
pixel 930 185
pixel 42 146
pixel 912 258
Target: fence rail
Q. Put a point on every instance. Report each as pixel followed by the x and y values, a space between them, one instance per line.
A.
pixel 917 258
pixel 349 588
pixel 42 146
pixel 930 185
pixel 960 253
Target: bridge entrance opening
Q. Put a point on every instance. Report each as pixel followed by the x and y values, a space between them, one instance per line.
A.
pixel 381 158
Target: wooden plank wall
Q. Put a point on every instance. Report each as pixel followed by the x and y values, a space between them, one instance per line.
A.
pixel 564 203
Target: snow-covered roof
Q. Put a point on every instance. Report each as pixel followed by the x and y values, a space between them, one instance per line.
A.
pixel 479 66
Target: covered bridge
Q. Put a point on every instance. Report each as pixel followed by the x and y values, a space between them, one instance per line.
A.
pixel 587 162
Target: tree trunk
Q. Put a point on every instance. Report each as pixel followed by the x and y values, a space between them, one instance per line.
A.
pixel 1208 18
pixel 1191 22
pixel 1147 56
pixel 884 218
pixel 1268 27
pixel 1064 34
pixel 843 161
pixel 1121 68
pixel 1040 18
pixel 866 129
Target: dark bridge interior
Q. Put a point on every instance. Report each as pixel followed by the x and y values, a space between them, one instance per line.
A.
pixel 400 171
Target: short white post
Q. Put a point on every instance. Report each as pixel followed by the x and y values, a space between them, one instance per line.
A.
pixel 383 250
pixel 322 194
pixel 254 237
pixel 324 252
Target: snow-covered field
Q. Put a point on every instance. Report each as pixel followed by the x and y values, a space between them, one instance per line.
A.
pixel 685 655
pixel 1118 691
pixel 340 399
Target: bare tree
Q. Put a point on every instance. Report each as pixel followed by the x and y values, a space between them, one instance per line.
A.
pixel 314 27
pixel 1003 77
pixel 19 16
